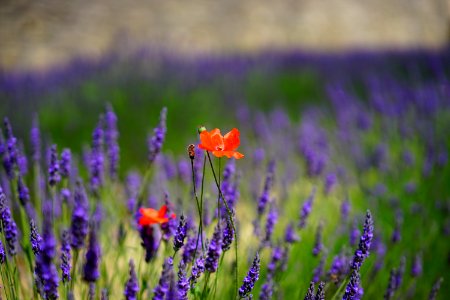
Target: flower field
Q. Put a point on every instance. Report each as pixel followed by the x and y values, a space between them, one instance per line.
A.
pixel 270 176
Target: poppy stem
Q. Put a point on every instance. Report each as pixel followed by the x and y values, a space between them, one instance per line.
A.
pixel 230 216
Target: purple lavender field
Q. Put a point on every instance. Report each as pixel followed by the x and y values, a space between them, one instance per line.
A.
pixel 343 191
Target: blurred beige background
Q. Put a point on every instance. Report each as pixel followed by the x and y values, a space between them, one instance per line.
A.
pixel 36 34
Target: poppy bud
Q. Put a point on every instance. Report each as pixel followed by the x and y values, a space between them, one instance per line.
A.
pixel 191 151
pixel 201 129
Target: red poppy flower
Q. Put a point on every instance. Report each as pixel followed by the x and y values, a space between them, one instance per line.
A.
pixel 151 216
pixel 220 145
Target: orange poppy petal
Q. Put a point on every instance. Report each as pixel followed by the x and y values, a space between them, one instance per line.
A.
pixel 217 141
pixel 231 140
pixel 205 141
pixel 162 211
pixel 228 154
pixel 149 212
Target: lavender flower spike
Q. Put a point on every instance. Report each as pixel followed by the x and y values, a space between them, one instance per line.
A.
pixel 227 236
pixel 197 270
pixel 214 251
pixel 79 226
pixel 53 168
pixel 183 282
pixel 9 226
pixel 290 235
pixel 435 289
pixel 35 238
pixel 35 141
pixel 318 241
pixel 90 270
pixel 310 294
pixel 250 279
pixel 65 256
pixel 265 197
pixel 180 234
pixel 65 163
pixel 131 287
pixel 155 143
pixel 162 288
pixel 2 254
pixel 320 295
pixel 306 209
pixel 352 289
pixel 96 158
pixel 364 243
pixel 112 147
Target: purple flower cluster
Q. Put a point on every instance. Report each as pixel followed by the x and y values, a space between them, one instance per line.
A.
pixel 66 256
pixel 65 163
pixel 149 241
pixel 265 196
pixel 250 279
pixel 112 146
pixel 161 290
pixel 90 269
pixel 131 287
pixel 96 159
pixel 80 219
pixel 306 209
pixel 364 243
pixel 35 238
pixel 183 282
pixel 180 234
pixel 8 225
pixel 53 167
pixel 35 141
pixel 353 289
pixel 10 151
pixel 214 251
pixel 197 270
pixel 155 143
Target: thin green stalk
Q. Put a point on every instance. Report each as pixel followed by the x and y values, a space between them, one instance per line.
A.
pixel 208 274
pixel 201 212
pixel 74 267
pixel 5 284
pixel 217 274
pixel 200 224
pixel 336 294
pixel 230 216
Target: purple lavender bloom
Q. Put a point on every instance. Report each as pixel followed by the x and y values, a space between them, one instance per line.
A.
pixel 416 269
pixel 65 256
pixel 345 210
pixel 104 295
pixel 214 251
pixel 149 241
pixel 265 196
pixel 162 288
pixel 272 219
pixel 310 293
pixel 96 160
pixel 8 225
pixel 80 219
pixel 90 269
pixel 408 158
pixel 396 234
pixel 2 254
pixel 318 241
pixel 435 289
pixel 267 289
pixel 131 287
pixel 24 194
pixel 184 171
pixel 290 235
pixel 400 272
pixel 391 286
pixel 53 168
pixel 317 273
pixel 352 289
pixel 22 162
pixel 133 183
pixel 320 295
pixel 10 155
pixel 306 209
pixel 35 238
pixel 155 143
pixel 276 257
pixel 227 236
pixel 180 234
pixel 339 268
pixel 35 141
pixel 250 279
pixel 45 270
pixel 197 270
pixel 111 136
pixel 364 243
pixel 189 248
pixel 183 282
pixel 65 163
pixel 330 182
